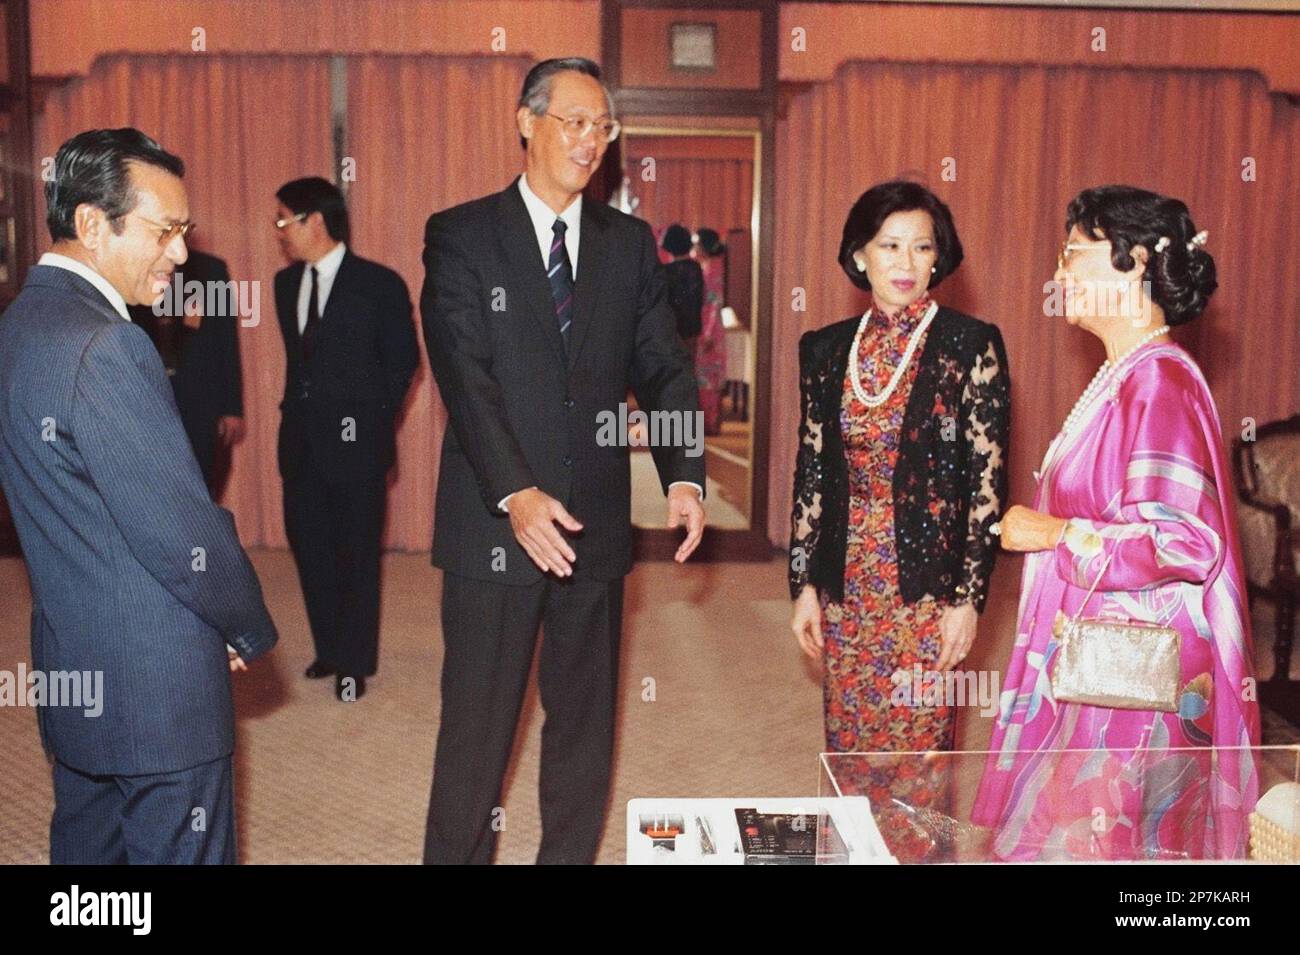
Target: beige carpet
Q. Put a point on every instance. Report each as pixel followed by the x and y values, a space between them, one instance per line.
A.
pixel 650 507
pixel 734 710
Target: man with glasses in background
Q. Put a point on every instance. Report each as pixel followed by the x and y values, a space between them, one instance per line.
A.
pixel 350 351
pixel 141 593
pixel 540 312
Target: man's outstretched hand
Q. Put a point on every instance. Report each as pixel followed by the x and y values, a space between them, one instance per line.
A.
pixel 533 516
pixel 685 507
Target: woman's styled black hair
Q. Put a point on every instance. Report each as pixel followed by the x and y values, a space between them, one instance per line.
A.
pixel 1182 275
pixel 93 167
pixel 677 239
pixel 879 203
pixel 314 194
pixel 711 243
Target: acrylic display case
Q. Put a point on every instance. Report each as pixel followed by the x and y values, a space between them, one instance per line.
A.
pixel 1146 805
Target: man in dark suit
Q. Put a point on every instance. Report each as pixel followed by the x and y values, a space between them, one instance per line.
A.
pixel 137 577
pixel 351 350
pixel 540 312
pixel 198 341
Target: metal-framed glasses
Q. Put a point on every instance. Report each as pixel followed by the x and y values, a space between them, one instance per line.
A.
pixel 282 223
pixel 167 232
pixel 1065 254
pixel 576 128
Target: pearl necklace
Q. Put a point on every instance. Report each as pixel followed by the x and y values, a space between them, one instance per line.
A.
pixel 855 373
pixel 1101 379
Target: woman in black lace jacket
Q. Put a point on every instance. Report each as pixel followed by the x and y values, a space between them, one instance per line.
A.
pixel 901 472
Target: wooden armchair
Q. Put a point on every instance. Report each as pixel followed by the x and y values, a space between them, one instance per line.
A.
pixel 1268 484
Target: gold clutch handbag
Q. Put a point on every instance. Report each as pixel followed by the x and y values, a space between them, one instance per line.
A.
pixel 1125 664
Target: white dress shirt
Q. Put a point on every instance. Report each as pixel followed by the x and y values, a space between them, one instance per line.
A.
pixel 327 268
pixel 90 275
pixel 544 217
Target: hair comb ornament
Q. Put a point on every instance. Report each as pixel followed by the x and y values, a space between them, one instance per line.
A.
pixel 1162 243
pixel 1198 240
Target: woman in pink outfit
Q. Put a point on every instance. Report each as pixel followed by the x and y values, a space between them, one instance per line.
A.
pixel 1134 496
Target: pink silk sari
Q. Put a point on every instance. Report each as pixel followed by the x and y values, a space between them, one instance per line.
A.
pixel 1143 479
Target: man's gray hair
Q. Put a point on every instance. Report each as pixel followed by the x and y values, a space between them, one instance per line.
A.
pixel 536 93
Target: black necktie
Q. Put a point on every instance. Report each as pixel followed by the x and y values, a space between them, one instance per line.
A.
pixel 313 320
pixel 560 273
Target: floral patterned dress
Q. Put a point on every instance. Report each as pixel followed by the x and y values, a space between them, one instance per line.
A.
pixel 873 635
pixel 874 642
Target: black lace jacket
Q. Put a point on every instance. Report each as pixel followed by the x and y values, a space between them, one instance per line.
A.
pixel 950 479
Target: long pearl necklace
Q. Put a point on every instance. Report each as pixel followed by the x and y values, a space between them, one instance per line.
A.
pixel 1101 379
pixel 855 374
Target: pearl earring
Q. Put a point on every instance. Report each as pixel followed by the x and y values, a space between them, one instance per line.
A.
pixel 934 268
pixel 862 266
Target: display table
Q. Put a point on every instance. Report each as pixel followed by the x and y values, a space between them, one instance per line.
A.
pixel 1094 806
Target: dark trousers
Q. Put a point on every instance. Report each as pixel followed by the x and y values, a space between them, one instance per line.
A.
pixel 490 631
pixel 181 818
pixel 334 529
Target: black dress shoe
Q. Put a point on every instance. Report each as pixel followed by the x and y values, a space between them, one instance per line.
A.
pixel 319 669
pixel 349 689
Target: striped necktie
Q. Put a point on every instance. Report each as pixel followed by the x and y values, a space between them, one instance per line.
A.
pixel 560 274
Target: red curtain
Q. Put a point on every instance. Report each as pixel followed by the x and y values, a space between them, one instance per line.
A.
pixel 425 133
pixel 244 126
pixel 717 193
pixel 1020 143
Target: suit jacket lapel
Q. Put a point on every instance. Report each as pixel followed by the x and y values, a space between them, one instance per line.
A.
pixel 515 229
pixel 591 258
pixel 287 308
pixel 338 291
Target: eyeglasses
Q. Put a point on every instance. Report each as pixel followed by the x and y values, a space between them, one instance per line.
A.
pixel 576 128
pixel 281 223
pixel 168 232
pixel 1063 256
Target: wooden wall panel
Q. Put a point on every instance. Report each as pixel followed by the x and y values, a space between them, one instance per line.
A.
pixel 646 49
pixel 67 35
pixel 836 33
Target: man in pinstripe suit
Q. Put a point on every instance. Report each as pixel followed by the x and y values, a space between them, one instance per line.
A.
pixel 137 577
